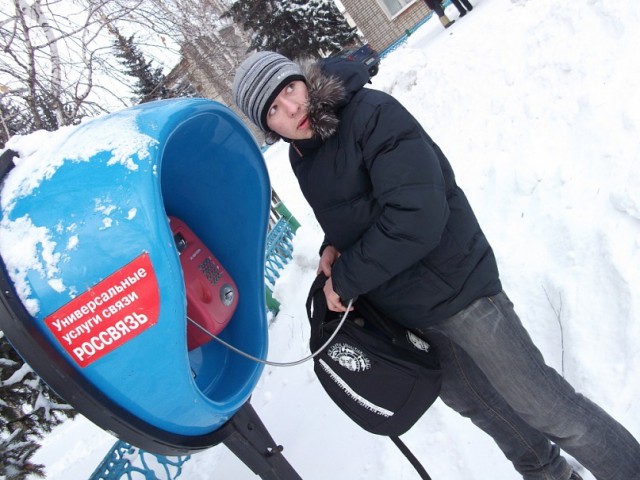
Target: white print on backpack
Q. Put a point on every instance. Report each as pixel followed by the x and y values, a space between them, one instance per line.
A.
pixel 357 398
pixel 349 357
pixel 418 342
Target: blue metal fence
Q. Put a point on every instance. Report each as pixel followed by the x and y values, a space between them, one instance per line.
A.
pixel 279 251
pixel 125 461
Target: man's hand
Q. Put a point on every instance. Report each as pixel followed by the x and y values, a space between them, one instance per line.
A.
pixel 329 255
pixel 333 299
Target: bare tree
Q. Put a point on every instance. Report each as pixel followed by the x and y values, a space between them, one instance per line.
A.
pixel 211 45
pixel 57 63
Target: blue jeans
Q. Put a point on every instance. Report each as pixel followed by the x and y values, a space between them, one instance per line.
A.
pixel 495 375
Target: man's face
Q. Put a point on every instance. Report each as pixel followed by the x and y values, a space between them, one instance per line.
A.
pixel 288 113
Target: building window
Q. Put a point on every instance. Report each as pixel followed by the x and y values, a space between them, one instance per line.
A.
pixel 394 7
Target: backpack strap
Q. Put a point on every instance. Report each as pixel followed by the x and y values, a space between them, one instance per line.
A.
pixel 317 301
pixel 411 457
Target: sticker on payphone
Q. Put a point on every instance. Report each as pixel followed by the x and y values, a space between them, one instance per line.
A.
pixel 212 295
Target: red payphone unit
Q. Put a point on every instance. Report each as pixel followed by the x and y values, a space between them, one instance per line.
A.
pixel 212 295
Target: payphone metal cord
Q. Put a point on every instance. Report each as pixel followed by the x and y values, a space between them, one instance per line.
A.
pixel 276 364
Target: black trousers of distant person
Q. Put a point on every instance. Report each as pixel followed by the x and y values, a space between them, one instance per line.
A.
pixel 462 6
pixel 436 6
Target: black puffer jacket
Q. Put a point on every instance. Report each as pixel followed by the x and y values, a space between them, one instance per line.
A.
pixel 385 196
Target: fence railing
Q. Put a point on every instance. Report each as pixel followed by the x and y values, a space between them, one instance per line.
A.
pixel 125 461
pixel 279 251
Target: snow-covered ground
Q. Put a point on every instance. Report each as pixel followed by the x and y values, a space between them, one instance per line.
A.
pixel 536 104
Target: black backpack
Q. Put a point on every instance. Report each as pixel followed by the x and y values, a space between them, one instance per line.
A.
pixel 383 376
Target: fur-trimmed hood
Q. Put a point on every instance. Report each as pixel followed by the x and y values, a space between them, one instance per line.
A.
pixel 331 84
pixel 326 94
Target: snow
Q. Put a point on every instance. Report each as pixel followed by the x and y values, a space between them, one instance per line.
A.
pixel 42 153
pixel 536 105
pixel 26 246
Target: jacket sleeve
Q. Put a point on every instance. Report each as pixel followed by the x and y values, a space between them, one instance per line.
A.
pixel 409 186
pixel 325 244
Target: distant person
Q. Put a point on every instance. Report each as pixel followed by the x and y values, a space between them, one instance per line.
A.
pixel 400 232
pixel 463 6
pixel 436 6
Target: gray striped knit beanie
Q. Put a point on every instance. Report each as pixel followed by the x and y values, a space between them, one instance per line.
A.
pixel 259 80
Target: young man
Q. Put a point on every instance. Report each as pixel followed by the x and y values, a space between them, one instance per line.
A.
pixel 400 231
